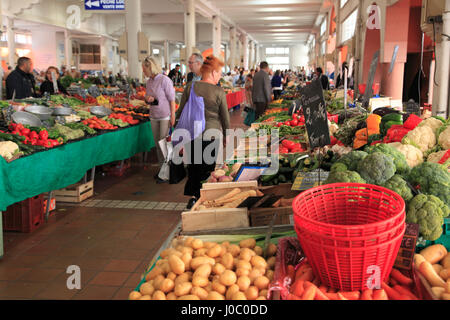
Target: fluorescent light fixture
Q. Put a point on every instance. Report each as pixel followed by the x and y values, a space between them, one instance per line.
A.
pixel 278 18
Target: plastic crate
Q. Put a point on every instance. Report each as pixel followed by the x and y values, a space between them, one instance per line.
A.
pixel 25 216
pixel 444 239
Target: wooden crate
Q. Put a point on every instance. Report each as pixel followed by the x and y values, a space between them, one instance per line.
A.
pixel 227 218
pixel 263 216
pixel 75 193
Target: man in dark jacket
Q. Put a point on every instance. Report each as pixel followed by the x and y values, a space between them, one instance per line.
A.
pixel 262 89
pixel 21 80
pixel 323 79
pixel 175 76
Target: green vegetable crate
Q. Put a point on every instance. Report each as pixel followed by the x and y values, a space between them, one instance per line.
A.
pixel 444 239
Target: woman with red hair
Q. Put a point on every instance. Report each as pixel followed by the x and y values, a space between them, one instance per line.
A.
pixel 216 117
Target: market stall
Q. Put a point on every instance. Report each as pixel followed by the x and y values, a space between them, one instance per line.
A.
pixel 236 98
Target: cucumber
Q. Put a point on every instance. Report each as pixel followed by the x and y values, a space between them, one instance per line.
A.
pixel 285 170
pixel 268 178
pixel 392 117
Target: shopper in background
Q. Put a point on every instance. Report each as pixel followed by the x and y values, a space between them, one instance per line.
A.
pixel 6 74
pixel 323 78
pixel 216 117
pixel 195 62
pixel 248 89
pixel 175 76
pixel 160 94
pixel 262 89
pixel 47 85
pixel 74 73
pixel 277 83
pixel 63 71
pixel 21 80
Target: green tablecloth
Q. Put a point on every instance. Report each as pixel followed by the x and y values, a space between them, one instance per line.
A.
pixel 60 167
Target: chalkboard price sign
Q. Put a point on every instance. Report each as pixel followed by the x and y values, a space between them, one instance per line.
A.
pixel 315 112
pixel 407 249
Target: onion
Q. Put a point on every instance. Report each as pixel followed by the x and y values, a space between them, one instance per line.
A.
pixel 225 179
pixel 218 173
pixel 212 179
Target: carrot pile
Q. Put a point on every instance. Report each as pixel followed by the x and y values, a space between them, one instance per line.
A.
pixel 305 286
pixel 130 112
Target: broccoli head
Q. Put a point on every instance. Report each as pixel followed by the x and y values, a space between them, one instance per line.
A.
pixel 351 159
pixel 399 185
pixel 376 168
pixel 399 158
pixel 344 176
pixel 338 166
pixel 428 212
pixel 432 178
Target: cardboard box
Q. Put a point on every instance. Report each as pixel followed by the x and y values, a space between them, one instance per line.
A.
pixel 263 216
pixel 217 218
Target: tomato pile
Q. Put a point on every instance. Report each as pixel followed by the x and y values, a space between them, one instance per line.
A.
pixel 288 146
pixel 96 123
pixel 88 100
pixel 296 121
pixel 32 137
pixel 124 118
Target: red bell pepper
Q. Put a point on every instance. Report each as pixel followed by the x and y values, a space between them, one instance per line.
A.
pixel 25 131
pixel 43 134
pixel 333 140
pixel 445 157
pixel 34 135
pixel 412 122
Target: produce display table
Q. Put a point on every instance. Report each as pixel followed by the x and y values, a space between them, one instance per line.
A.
pixel 235 98
pixel 60 167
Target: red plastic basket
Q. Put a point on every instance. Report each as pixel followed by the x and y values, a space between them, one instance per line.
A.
pixel 25 216
pixel 345 228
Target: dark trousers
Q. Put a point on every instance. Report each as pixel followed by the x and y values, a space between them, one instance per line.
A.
pixel 198 172
pixel 276 94
pixel 260 108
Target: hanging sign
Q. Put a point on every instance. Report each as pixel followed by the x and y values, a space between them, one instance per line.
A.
pixel 373 69
pixel 104 4
pixel 394 57
pixel 316 120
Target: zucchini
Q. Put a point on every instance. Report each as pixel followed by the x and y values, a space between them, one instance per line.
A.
pixel 285 170
pixel 392 117
pixel 268 178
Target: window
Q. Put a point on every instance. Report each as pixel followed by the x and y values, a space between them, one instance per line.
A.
pixel 343 2
pixel 349 26
pixel 323 26
pixel 270 50
pixel 277 60
pixel 322 48
pixel 90 54
pixel 4 37
pixel 23 38
pixel 155 51
pixel 280 67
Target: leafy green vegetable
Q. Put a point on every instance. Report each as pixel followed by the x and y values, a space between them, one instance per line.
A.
pixel 376 168
pixel 429 212
pixel 433 179
pixel 344 176
pixel 399 185
pixel 398 157
pixel 351 159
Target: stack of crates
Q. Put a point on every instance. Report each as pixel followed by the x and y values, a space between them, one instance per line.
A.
pixel 25 216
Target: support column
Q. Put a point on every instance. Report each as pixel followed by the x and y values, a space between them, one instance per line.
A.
pixel 133 24
pixel 241 52
pixel 67 49
pixel 189 28
pixel 250 55
pixel 232 48
pixel 166 54
pixel 245 47
pixel 443 79
pixel 392 84
pixel 217 35
pixel 256 55
pixel 11 43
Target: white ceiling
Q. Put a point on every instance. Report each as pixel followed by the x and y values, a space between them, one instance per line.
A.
pixel 267 21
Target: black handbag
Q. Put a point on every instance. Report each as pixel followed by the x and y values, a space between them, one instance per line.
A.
pixel 177 172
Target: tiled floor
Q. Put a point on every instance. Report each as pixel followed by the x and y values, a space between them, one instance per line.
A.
pixel 111 237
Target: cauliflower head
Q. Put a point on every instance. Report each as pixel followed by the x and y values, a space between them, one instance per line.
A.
pixel 399 185
pixel 422 138
pixel 437 156
pixel 428 212
pixel 376 168
pixel 412 154
pixel 8 149
pixel 399 158
pixel 433 179
pixel 344 176
pixel 433 123
pixel 444 138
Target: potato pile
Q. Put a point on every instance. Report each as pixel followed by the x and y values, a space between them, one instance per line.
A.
pixel 197 270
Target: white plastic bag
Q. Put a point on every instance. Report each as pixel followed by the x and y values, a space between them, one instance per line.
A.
pixel 167 151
